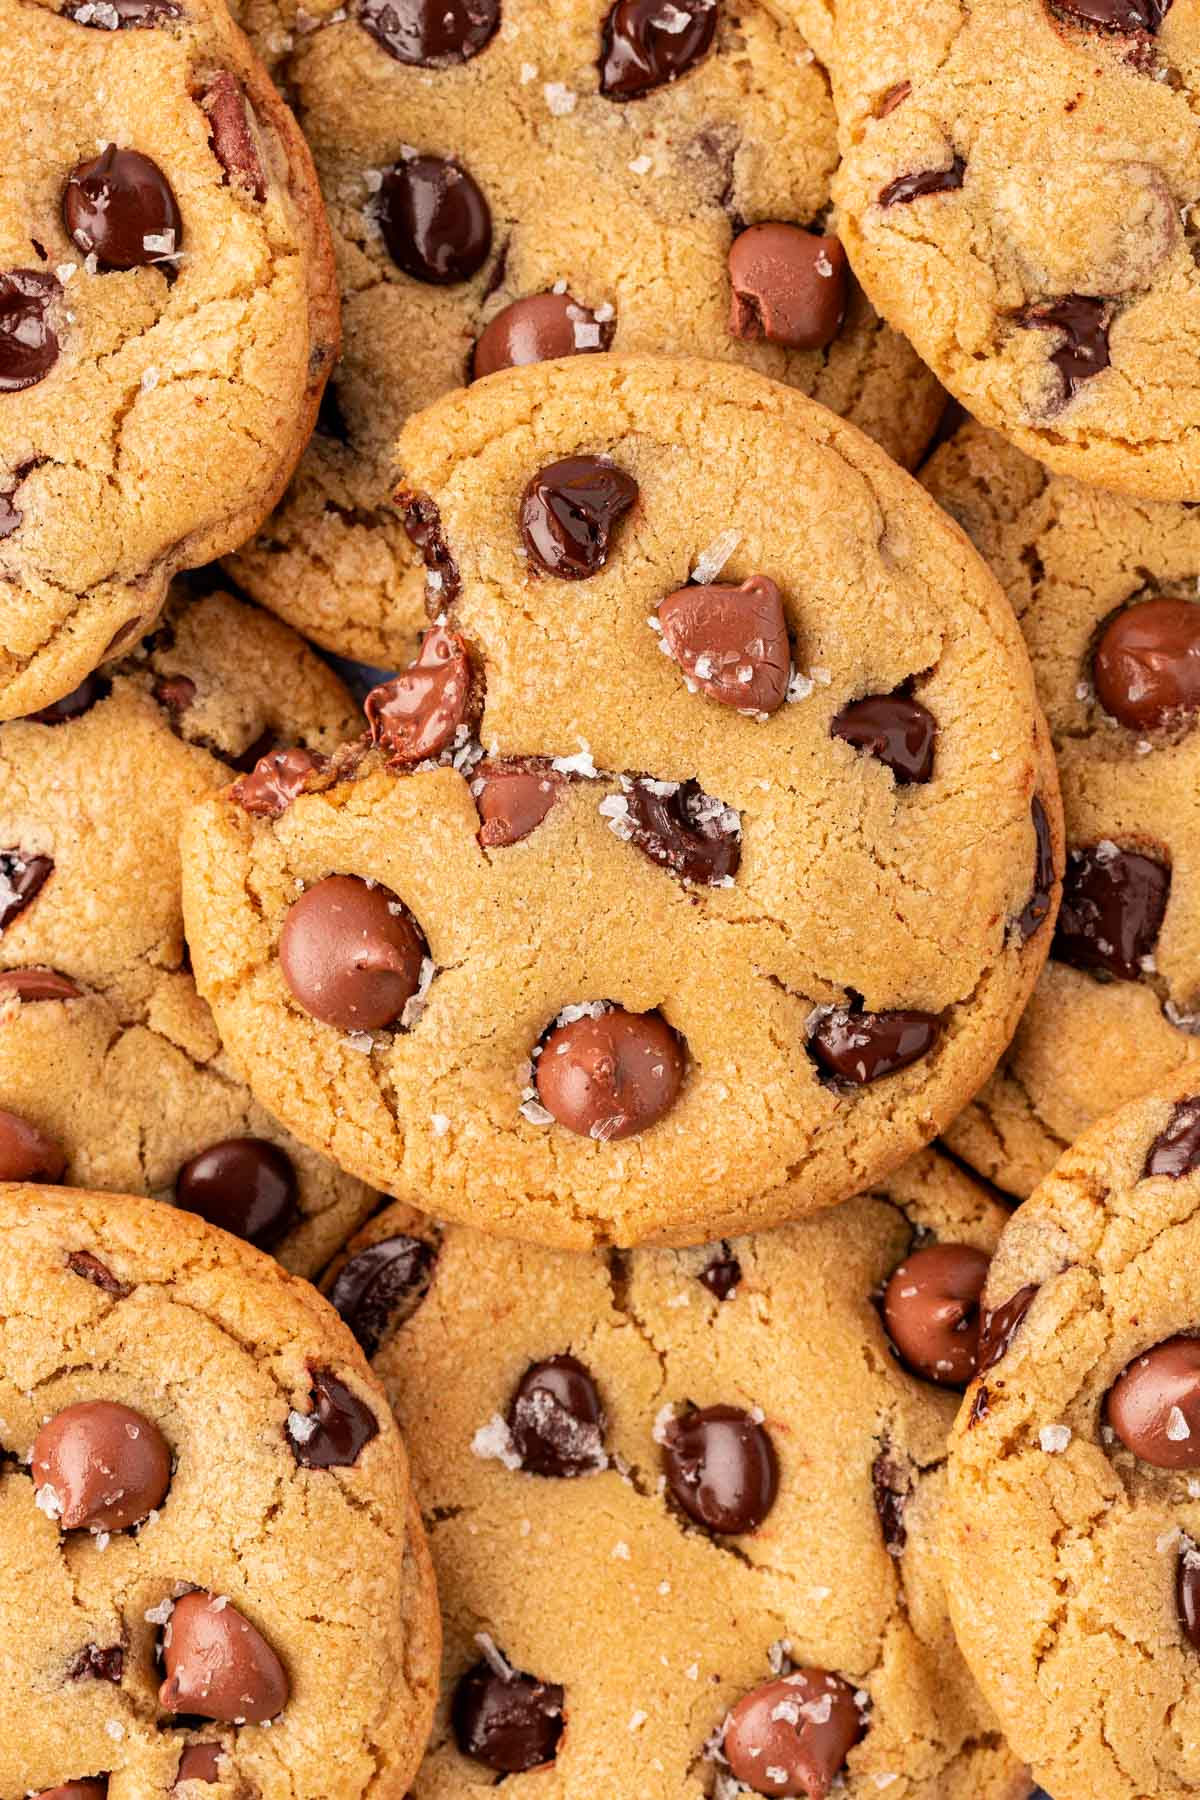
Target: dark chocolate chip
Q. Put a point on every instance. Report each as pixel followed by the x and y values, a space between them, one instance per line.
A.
pixel 121 15
pixel 895 729
pixel 610 1077
pixel 1176 1149
pixel 692 835
pixel 557 1420
pixel 351 954
pixel 922 182
pixel 219 1665
pixel 246 1185
pixel 231 134
pixel 435 221
pixel 647 43
pixel 858 1047
pixel 931 1310
pixel 90 1268
pixel 433 34
pixel 1128 16
pixel 120 207
pixel 423 524
pixel 891 1485
pixel 721 1468
pixel 381 1286
pixel 336 1428
pixel 96 1664
pixel 1037 908
pixel 509 1722
pixel 1146 665
pixel 105 1466
pixel 1154 1405
pixel 537 329
pixel 1000 1326
pixel 128 633
pixel 276 780
pixel 788 285
pixel 22 879
pixel 420 712
pixel 1083 323
pixel 1112 910
pixel 28 340
pixel 568 512
pixel 731 642
pixel 30 985
pixel 722 1275
pixel 27 1153
pixel 91 690
pixel 512 796
pixel 793 1734
pixel 1187 1591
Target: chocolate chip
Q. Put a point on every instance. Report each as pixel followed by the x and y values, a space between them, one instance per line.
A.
pixel 175 693
pixel 646 44
pixel 1000 1326
pixel 127 633
pixel 568 512
pixel 722 1276
pixel 219 1666
pixel 931 1310
pixel 423 525
pixel 539 329
pixel 1176 1149
pixel 92 689
pixel 509 1722
pixel 731 642
pixel 380 1287
pixel 512 797
pixel 95 1788
pixel 28 341
pixel 557 1420
pixel 96 1664
pixel 248 759
pixel 433 34
pixel 1037 908
pixel 980 1407
pixel 231 134
pixel 793 1735
pixel 246 1185
pixel 105 1465
pixel 1146 664
pixel 1154 1406
pixel 435 221
pixel 789 287
pixel 121 15
pixel 1187 1591
pixel 891 1485
pixel 351 954
pixel 418 713
pixel 10 515
pixel 687 831
pixel 895 729
pixel 721 1467
pixel 858 1047
pixel 26 1153
pixel 276 780
pixel 894 96
pixel 610 1077
pixel 1116 15
pixel 90 1268
pixel 922 182
pixel 336 1428
pixel 200 1762
pixel 1112 910
pixel 1084 324
pixel 22 879
pixel 30 985
pixel 120 208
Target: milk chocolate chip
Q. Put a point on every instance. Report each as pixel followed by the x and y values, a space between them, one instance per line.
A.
pixel 859 1047
pixel 200 1762
pixel 610 1077
pixel 539 329
pixel 276 780
pixel 417 714
pixel 721 1467
pixel 380 1287
pixel 95 1788
pixel 931 1309
pixel 26 1153
pixel 120 208
pixel 568 512
pixel 103 1466
pixel 895 729
pixel 435 221
pixel 219 1666
pixel 789 287
pixel 1112 910
pixel 1154 1406
pixel 1176 1149
pixel 510 1722
pixel 731 642
pixel 1116 15
pixel 245 1185
pixel 28 341
pixel 556 1419
pixel 30 985
pixel 512 797
pixel 231 135
pixel 432 34
pixel 351 954
pixel 792 1736
pixel 90 1268
pixel 1146 665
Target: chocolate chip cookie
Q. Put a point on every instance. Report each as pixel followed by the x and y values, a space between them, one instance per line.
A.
pixel 682 1503
pixel 1017 195
pixel 660 905
pixel 541 179
pixel 1105 589
pixel 112 1074
pixel 1070 1536
pixel 213 1571
pixel 168 316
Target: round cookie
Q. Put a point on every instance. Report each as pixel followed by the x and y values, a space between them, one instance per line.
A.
pixel 1017 196
pixel 538 179
pixel 664 965
pixel 1105 591
pixel 551 1403
pixel 214 1577
pixel 1069 1537
pixel 111 1070
pixel 168 316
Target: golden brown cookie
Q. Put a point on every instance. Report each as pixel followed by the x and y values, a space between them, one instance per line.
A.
pixel 168 316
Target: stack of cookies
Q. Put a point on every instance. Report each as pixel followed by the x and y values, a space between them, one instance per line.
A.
pixel 599 982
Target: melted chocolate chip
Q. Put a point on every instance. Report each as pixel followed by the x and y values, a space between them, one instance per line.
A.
pixel 568 513
pixel 90 1268
pixel 1000 1326
pixel 423 525
pixel 200 1762
pixel 731 642
pixel 30 985
pixel 1037 908
pixel 27 1153
pixel 1187 1591
pixel 351 954
pixel 931 1310
pixel 922 182
pixel 721 1468
pixel 175 693
pixel 793 1735
pixel 121 15
pixel 1126 16
pixel 435 221
pixel 858 1047
pixel 646 44
pixel 610 1077
pixel 1083 323
pixel 336 1428
pixel 120 207
pixel 105 1466
pixel 22 879
pixel 511 1723
pixel 1112 910
pixel 512 797
pixel 91 690
pixel 1176 1149
pixel 891 1485
pixel 895 729
pixel 1146 665
pixel 28 341
pixel 219 1665
pixel 693 836
pixel 557 1421
pixel 96 1664
pixel 432 34
pixel 418 713
pixel 276 780
pixel 231 135
pixel 94 1788
pixel 788 285
pixel 246 1185
pixel 1154 1405
pixel 380 1287
pixel 537 329
pixel 722 1275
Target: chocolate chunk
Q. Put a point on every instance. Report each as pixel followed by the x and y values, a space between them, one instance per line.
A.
pixel 231 134
pixel 276 780
pixel 858 1047
pixel 120 207
pixel 1176 1149
pixel 557 1420
pixel 931 1310
pixel 423 525
pixel 90 1268
pixel 891 1485
pixel 435 221
pixel 789 287
pixel 336 1428
pixel 692 835
pixel 200 1762
pixel 1187 1591
pixel 610 1077
pixel 121 15
pixel 95 1788
pixel 351 954
pixel 26 1153
pixel 647 44
pixel 96 1664
pixel 731 642
pixel 380 1287
pixel 1000 1326
pixel 28 341
pixel 22 879
pixel 219 1666
pixel 433 34
pixel 721 1468
pixel 722 1276
pixel 246 1185
pixel 418 713
pixel 105 1466
pixel 1126 16
pixel 1084 324
pixel 1037 908
pixel 922 182
pixel 1146 664
pixel 509 1722
pixel 1154 1406
pixel 793 1735
pixel 92 689
pixel 512 797
pixel 539 329
pixel 1112 910
pixel 895 729
pixel 568 512
pixel 30 985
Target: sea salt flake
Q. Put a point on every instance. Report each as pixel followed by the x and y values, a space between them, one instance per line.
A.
pixel 302 1426
pixel 621 1551
pixel 440 1123
pixel 159 1615
pixel 493 1443
pixel 529 72
pixel 495 1658
pixel 641 165
pixel 662 1420
pixel 579 764
pixel 560 98
pixel 637 1720
pixel 1178 1428
pixel 47 1501
pixel 361 1041
pixel 713 558
pixel 115 1729
pixel 1054 1438
pixel 1168 1540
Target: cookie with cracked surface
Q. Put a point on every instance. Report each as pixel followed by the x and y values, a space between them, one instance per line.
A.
pixel 628 978
pixel 1017 194
pixel 1070 1531
pixel 1105 590
pixel 544 178
pixel 112 1074
pixel 167 303
pixel 180 1416
pixel 542 1395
